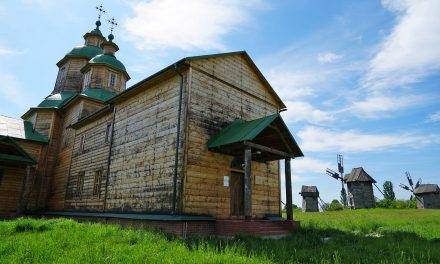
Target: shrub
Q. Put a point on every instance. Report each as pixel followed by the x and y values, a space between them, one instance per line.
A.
pixel 335 205
pixel 396 204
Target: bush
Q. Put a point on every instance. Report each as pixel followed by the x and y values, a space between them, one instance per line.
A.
pixel 396 204
pixel 335 205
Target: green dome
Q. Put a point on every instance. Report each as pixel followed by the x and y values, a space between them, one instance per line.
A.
pixel 108 60
pixel 85 51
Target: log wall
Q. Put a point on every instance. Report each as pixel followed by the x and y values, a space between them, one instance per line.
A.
pixel 10 187
pixel 142 161
pixel 222 89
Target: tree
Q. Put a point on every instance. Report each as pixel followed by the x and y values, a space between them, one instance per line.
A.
pixel 388 192
pixel 335 205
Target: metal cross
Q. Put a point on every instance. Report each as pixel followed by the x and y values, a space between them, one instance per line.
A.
pixel 113 24
pixel 101 11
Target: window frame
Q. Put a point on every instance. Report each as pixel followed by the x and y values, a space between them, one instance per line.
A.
pixel 82 143
pixel 112 79
pixel 80 183
pixel 97 181
pixel 108 133
pixel 86 80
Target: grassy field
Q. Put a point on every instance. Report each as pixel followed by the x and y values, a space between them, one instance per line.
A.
pixel 361 236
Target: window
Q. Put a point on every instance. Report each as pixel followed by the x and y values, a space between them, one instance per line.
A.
pixel 97 183
pixel 61 74
pixel 79 183
pixel 86 81
pixel 82 143
pixel 2 171
pixel 98 43
pixel 112 79
pixel 108 133
pixel 66 137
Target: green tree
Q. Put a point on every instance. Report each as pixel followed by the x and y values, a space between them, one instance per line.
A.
pixel 388 192
pixel 335 205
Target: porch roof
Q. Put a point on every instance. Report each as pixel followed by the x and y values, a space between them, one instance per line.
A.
pixel 12 154
pixel 268 135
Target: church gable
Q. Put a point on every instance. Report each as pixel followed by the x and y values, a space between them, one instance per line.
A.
pixel 237 69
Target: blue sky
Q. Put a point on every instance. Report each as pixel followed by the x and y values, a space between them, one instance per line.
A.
pixel 360 78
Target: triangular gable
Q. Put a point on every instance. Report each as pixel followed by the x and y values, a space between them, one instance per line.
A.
pixel 251 64
pixel 269 135
pixel 12 154
pixel 358 175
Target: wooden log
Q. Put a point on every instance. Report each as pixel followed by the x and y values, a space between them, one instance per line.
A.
pixel 288 189
pixel 247 184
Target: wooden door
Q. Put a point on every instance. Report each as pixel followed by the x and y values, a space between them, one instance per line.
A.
pixel 237 194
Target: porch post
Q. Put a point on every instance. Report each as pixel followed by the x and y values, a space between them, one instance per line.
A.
pixel 288 189
pixel 247 184
pixel 21 202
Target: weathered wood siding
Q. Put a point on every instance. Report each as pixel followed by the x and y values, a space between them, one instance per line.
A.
pixel 361 195
pixel 142 162
pixel 10 187
pixel 91 159
pixel 43 121
pixel 100 77
pixel 222 89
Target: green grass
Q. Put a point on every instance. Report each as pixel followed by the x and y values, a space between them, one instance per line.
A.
pixel 361 236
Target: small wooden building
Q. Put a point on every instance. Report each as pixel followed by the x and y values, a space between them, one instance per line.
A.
pixel 360 189
pixel 198 142
pixel 310 196
pixel 427 196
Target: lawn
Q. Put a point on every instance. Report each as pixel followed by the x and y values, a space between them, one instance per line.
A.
pixel 361 236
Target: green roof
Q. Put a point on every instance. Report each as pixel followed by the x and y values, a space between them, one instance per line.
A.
pixel 239 131
pixel 98 94
pixel 57 100
pixel 11 152
pixel 85 51
pixel 18 128
pixel 108 59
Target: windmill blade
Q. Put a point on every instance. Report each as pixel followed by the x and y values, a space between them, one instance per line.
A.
pixel 410 181
pixel 332 173
pixel 340 164
pixel 419 182
pixel 403 186
pixel 410 198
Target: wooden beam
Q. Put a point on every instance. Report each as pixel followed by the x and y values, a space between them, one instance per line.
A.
pixel 21 202
pixel 247 184
pixel 281 136
pixel 288 189
pixel 268 149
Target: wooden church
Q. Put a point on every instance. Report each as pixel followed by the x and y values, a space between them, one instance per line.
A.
pixel 191 149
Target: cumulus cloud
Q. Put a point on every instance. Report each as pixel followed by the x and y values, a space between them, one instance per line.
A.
pixel 379 105
pixel 411 51
pixel 6 52
pixel 304 111
pixel 187 25
pixel 434 117
pixel 328 57
pixel 316 139
pixel 309 165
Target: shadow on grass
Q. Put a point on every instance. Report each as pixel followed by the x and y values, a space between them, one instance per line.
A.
pixel 311 245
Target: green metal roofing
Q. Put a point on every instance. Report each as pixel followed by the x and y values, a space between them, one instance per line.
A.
pixel 18 128
pixel 98 94
pixel 16 154
pixel 239 131
pixel 57 100
pixel 88 51
pixel 108 59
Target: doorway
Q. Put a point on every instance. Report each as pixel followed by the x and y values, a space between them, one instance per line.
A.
pixel 237 193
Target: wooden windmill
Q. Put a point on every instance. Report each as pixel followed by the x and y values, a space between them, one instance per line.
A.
pixel 411 184
pixel 339 176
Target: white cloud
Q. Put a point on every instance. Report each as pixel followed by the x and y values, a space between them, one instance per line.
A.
pixel 379 106
pixel 309 165
pixel 319 139
pixel 328 57
pixel 304 111
pixel 197 24
pixel 5 52
pixel 434 117
pixel 411 51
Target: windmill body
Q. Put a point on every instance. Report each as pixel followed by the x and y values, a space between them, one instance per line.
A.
pixel 310 196
pixel 360 189
pixel 427 196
